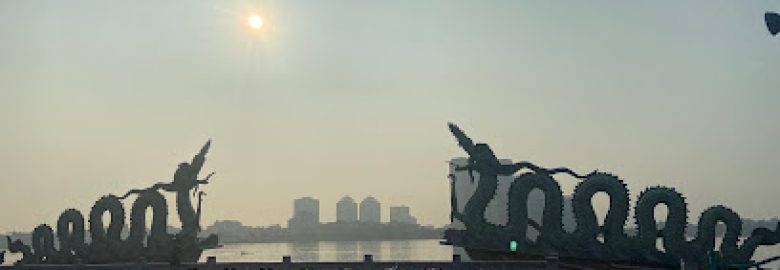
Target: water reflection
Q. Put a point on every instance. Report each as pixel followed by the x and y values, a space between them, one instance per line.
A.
pixel 398 250
pixel 401 250
pixel 345 251
pixel 370 247
pixel 304 251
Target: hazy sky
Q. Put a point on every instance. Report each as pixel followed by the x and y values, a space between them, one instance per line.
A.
pixel 335 98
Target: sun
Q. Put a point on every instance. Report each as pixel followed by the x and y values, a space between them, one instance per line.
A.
pixel 255 21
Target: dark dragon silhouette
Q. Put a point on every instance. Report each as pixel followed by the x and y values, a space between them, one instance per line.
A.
pixel 589 241
pixel 107 246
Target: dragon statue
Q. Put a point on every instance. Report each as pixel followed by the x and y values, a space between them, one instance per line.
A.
pixel 107 246
pixel 589 241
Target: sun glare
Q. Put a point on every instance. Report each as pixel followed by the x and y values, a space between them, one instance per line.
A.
pixel 255 21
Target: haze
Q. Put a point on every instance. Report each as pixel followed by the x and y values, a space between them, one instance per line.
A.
pixel 334 98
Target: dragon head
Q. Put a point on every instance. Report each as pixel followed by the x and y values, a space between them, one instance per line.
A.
pixel 479 154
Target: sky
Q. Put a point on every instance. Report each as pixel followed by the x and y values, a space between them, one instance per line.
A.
pixel 348 97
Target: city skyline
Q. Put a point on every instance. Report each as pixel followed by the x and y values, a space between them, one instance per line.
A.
pixel 306 211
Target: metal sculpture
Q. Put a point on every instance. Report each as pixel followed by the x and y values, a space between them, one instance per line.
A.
pixel 484 240
pixel 772 20
pixel 107 245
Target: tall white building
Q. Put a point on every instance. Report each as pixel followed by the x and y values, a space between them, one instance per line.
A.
pixel 346 210
pixel 370 210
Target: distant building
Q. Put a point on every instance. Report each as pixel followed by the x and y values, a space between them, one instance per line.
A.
pixel 306 212
pixel 370 210
pixel 346 210
pixel 400 214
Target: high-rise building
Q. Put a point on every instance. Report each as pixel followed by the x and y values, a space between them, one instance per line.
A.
pixel 306 211
pixel 370 210
pixel 400 214
pixel 346 210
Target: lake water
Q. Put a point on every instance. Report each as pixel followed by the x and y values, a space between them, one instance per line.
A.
pixel 402 250
pixel 344 251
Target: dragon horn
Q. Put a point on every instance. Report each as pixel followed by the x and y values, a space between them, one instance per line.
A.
pixel 205 148
pixel 463 140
